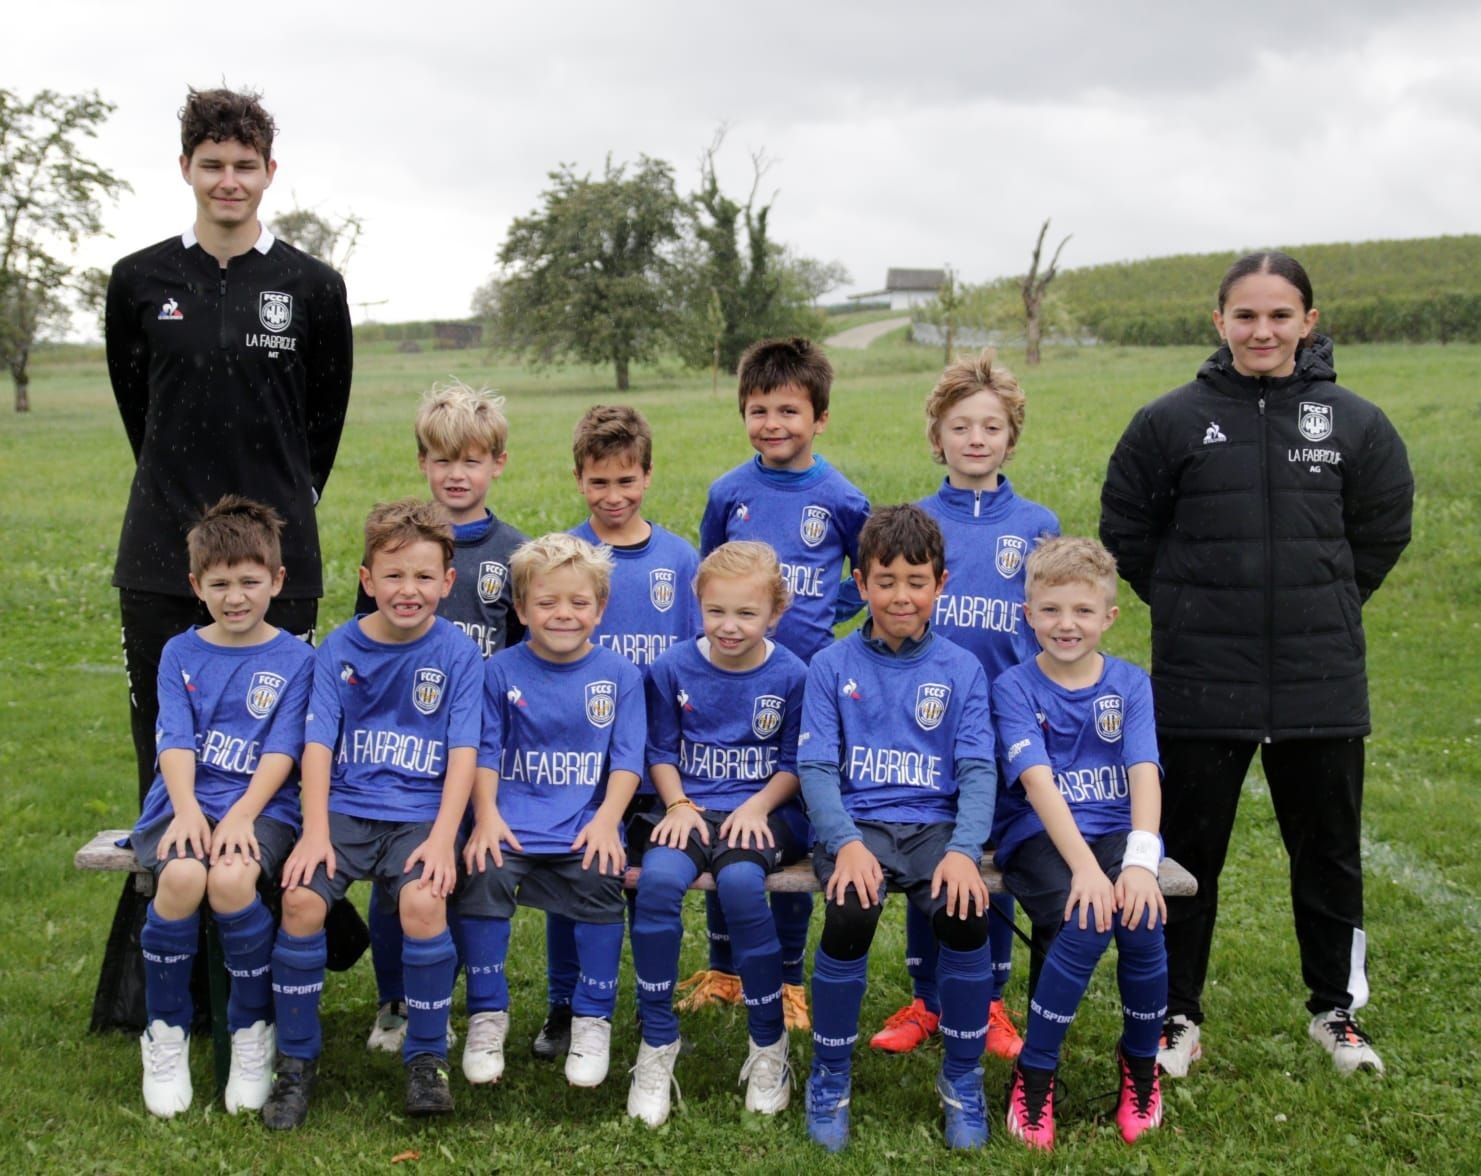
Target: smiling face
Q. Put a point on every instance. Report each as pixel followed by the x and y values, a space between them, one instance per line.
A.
pixel 736 612
pixel 901 597
pixel 973 437
pixel 1263 321
pixel 237 596
pixel 228 179
pixel 559 610
pixel 1068 620
pixel 613 488
pixel 407 584
pixel 460 482
pixel 781 426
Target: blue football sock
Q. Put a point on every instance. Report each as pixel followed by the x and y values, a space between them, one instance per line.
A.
pixel 965 978
pixel 169 947
pixel 385 947
pixel 791 914
pixel 599 948
pixel 719 932
pixel 562 966
pixel 1062 983
pixel 920 957
pixel 1000 941
pixel 485 946
pixel 247 945
pixel 1141 972
pixel 755 947
pixel 837 993
pixel 656 935
pixel 430 966
pixel 298 983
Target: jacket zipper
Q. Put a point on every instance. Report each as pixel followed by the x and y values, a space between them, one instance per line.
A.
pixel 1269 569
pixel 222 341
pixel 976 504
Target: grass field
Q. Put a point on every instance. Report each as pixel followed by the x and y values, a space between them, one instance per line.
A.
pixel 1263 1100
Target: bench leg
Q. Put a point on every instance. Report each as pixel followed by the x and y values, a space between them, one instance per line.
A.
pixel 220 994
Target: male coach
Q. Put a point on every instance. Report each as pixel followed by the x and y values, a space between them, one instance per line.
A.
pixel 230 354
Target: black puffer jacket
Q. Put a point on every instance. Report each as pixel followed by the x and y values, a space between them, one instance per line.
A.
pixel 1255 516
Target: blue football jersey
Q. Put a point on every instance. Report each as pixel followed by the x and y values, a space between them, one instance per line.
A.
pixel 231 705
pixel 652 604
pixel 391 712
pixel 554 732
pixel 1086 737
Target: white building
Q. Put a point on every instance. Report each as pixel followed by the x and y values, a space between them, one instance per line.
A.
pixel 905 289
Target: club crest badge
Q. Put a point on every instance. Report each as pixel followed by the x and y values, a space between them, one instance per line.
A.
pixel 601 703
pixel 274 311
pixel 1316 421
pixel 814 524
pixel 1108 717
pixel 766 715
pixel 931 699
pixel 661 583
pixel 491 578
pixel 1010 555
pixel 262 693
pixel 426 690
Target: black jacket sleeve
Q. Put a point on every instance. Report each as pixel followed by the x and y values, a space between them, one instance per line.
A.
pixel 330 366
pixel 128 360
pixel 1136 503
pixel 1377 504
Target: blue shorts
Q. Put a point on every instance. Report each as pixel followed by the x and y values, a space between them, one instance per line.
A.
pixel 274 843
pixel 908 855
pixel 1039 878
pixel 369 849
pixel 551 882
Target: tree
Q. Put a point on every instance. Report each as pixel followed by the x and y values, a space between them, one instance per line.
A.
pixel 589 274
pixel 331 239
pixel 50 197
pixel 949 299
pixel 1033 285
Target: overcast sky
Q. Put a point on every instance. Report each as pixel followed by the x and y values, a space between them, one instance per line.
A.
pixel 900 134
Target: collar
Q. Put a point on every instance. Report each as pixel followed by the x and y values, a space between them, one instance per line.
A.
pixel 909 648
pixel 818 468
pixel 263 243
pixel 976 504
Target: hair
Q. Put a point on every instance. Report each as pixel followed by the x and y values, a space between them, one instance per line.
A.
pixel 775 363
pixel 390 526
pixel 453 418
pixel 893 531
pixel 1070 559
pixel 551 553
pixel 224 114
pixel 1271 261
pixel 235 530
pixel 741 559
pixel 967 377
pixel 607 431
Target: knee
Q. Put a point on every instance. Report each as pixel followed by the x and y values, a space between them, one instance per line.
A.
pixel 303 911
pixel 665 878
pixel 1086 945
pixel 423 915
pixel 231 885
pixel 967 934
pixel 741 887
pixel 848 928
pixel 180 888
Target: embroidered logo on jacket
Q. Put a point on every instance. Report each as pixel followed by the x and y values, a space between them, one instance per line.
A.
pixel 766 715
pixel 814 524
pixel 274 310
pixel 930 704
pixel 661 588
pixel 491 577
pixel 1316 421
pixel 1108 717
pixel 1213 434
pixel 1010 555
pixel 426 689
pixel 262 693
pixel 170 311
pixel 601 703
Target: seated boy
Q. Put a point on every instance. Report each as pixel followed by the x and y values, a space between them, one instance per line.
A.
pixel 390 748
pixel 1077 831
pixel 561 753
pixel 461 437
pixel 649 609
pixel 896 760
pixel 223 809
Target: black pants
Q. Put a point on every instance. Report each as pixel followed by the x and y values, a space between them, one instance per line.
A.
pixel 149 620
pixel 1316 788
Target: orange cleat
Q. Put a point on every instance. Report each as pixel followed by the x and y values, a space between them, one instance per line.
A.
pixel 794 1007
pixel 1003 1040
pixel 709 988
pixel 907 1029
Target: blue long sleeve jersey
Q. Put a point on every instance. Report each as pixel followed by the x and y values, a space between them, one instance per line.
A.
pixel 1088 738
pixel 812 519
pixel 231 706
pixel 652 604
pixel 989 534
pixel 554 732
pixel 726 732
pixel 391 712
pixel 904 737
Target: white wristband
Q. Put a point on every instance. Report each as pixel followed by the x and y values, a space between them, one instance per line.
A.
pixel 1142 849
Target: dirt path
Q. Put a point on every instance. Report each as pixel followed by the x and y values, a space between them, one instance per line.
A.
pixel 858 338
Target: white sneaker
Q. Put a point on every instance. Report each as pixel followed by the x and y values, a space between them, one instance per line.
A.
pixel 768 1077
pixel 389 1031
pixel 1351 1049
pixel 250 1079
pixel 483 1055
pixel 1180 1046
pixel 591 1051
pixel 649 1096
pixel 166 1051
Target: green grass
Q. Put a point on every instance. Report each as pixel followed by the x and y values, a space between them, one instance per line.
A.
pixel 1264 1099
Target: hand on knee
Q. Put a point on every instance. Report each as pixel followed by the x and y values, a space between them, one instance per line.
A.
pixel 967 934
